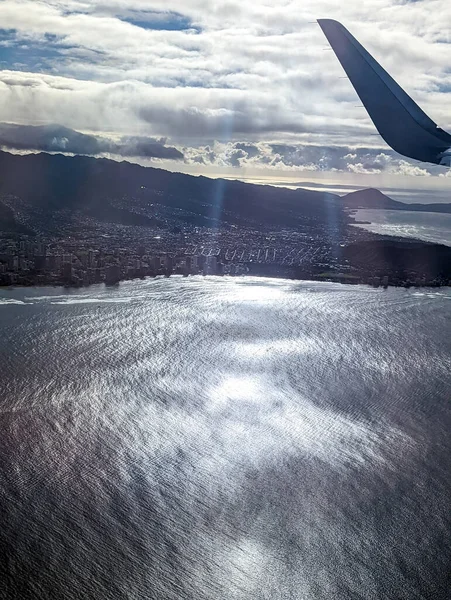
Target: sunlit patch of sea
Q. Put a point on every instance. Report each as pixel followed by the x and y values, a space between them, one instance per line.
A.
pixel 225 438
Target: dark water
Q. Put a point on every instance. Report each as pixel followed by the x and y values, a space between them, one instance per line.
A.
pixel 225 439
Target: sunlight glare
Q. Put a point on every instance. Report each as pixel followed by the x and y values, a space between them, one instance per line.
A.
pixel 234 389
pixel 256 293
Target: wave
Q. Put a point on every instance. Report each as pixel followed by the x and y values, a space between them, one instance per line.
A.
pixel 9 301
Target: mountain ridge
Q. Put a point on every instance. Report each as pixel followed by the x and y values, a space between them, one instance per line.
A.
pixel 110 191
pixel 55 182
pixel 372 198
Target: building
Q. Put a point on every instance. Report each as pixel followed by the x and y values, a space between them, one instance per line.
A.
pixel 112 274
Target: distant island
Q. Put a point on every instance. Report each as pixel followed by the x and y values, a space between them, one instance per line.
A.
pixel 80 220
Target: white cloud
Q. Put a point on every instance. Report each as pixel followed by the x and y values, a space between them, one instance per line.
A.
pixel 360 168
pixel 255 73
pixel 405 168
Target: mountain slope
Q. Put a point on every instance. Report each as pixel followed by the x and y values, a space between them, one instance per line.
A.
pixel 8 223
pixel 52 183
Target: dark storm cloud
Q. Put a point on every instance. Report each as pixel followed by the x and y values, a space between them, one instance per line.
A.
pixel 55 138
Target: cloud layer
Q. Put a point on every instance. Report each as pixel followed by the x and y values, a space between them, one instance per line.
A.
pixel 228 83
pixel 55 138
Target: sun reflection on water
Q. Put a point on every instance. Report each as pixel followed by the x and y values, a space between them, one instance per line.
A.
pixel 245 292
pixel 234 389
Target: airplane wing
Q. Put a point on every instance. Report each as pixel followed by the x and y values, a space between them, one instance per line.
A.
pixel 399 120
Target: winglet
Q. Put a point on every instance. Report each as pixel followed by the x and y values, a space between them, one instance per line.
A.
pixel 400 121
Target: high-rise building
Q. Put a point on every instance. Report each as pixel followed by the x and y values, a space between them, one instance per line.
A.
pixel 201 259
pixel 23 263
pixel 211 265
pixel 83 257
pixel 67 272
pixel 155 263
pixel 167 263
pixel 113 274
pixel 91 259
pixel 40 249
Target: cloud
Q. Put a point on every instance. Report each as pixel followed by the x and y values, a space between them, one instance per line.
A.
pixel 360 168
pixel 55 138
pixel 405 168
pixel 251 150
pixel 145 147
pixel 235 155
pixel 232 84
pixel 307 157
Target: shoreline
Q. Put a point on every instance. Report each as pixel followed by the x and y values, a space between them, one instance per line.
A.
pixel 370 226
pixel 343 280
pixel 379 261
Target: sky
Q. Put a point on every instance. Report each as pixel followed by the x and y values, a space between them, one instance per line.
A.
pixel 246 90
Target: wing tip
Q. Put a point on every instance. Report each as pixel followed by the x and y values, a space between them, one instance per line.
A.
pixel 328 22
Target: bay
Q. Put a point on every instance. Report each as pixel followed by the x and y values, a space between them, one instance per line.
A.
pixel 429 227
pixel 204 438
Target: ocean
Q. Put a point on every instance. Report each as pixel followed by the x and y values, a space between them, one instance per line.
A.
pixel 430 227
pixel 217 438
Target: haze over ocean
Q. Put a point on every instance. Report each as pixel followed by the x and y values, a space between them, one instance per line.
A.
pixel 216 438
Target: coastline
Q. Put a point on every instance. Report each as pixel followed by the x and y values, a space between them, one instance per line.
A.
pixel 373 259
pixel 341 278
pixel 421 226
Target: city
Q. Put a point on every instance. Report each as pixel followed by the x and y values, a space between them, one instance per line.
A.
pixel 127 222
pixel 116 253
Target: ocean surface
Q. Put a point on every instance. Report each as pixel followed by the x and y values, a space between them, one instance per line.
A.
pixel 216 438
pixel 431 227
